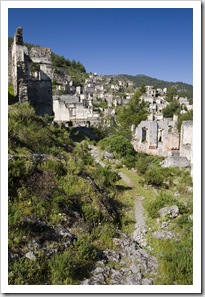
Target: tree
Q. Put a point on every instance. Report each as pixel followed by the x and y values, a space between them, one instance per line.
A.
pixel 143 89
pixel 133 113
pixel 171 92
pixel 171 109
pixel 188 116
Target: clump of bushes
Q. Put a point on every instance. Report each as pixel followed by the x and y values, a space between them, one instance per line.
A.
pixel 162 200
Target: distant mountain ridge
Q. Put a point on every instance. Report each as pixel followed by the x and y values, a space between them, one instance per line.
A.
pixel 140 79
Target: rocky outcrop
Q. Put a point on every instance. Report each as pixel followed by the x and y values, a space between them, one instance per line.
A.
pixel 127 264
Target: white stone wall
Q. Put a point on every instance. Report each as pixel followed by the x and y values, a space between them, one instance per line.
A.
pixel 186 139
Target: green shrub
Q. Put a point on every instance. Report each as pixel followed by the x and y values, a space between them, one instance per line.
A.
pixel 162 200
pixel 91 214
pixel 154 176
pixel 117 144
pixel 28 272
pixel 63 268
pixel 105 177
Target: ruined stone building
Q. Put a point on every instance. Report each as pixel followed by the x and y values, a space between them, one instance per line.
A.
pixel 69 109
pixel 162 138
pixel 31 75
pixel 156 137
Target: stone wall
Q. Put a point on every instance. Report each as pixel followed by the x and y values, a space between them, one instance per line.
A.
pixel 156 138
pixel 68 108
pixel 40 96
pixel 36 89
pixel 186 139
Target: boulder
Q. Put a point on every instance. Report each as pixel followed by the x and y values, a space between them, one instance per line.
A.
pixel 30 256
pixel 170 211
pixel 108 155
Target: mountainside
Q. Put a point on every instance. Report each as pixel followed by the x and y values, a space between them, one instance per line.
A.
pixel 141 79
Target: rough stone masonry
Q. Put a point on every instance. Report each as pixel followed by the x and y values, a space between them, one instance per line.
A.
pixel 31 75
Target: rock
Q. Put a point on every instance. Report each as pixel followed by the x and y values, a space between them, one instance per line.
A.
pixel 108 155
pixel 30 256
pixel 163 234
pixel 171 211
pixel 147 281
pixel 164 225
pixel 190 217
pixel 64 232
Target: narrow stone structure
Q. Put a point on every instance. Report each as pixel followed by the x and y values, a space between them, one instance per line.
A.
pixel 32 75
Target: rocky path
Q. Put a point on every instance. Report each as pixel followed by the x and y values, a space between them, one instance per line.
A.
pixel 129 263
pixel 140 226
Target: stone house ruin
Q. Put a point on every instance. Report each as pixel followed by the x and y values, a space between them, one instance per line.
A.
pixel 156 137
pixel 32 75
pixel 69 109
pixel 162 138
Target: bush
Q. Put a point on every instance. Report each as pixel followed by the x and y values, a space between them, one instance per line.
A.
pixel 117 144
pixel 63 268
pixel 105 177
pixel 27 272
pixel 162 200
pixel 154 176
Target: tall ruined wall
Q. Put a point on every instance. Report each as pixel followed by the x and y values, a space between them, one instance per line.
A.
pixel 10 77
pixel 40 96
pixel 186 139
pixel 27 88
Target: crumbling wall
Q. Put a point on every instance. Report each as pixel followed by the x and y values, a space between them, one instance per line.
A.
pixel 186 139
pixel 156 138
pixel 28 88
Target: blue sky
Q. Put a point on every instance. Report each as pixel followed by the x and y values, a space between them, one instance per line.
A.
pixel 157 42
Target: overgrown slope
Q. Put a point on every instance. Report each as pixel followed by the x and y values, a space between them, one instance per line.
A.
pixel 63 209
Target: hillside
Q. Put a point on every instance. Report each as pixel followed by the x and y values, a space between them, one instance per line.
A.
pixel 141 79
pixel 85 208
pixel 78 73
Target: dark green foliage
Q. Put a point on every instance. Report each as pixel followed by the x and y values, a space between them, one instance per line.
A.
pixel 162 200
pixel 74 264
pixel 171 92
pixel 144 161
pixel 184 222
pixel 154 176
pixel 105 177
pixel 63 268
pixel 117 144
pixel 171 109
pixel 141 79
pixel 188 116
pixel 27 272
pixel 133 113
pixel 34 67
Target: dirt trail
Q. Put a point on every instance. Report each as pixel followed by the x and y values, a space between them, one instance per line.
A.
pixel 140 226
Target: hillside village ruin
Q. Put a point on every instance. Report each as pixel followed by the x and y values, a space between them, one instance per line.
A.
pixel 31 74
